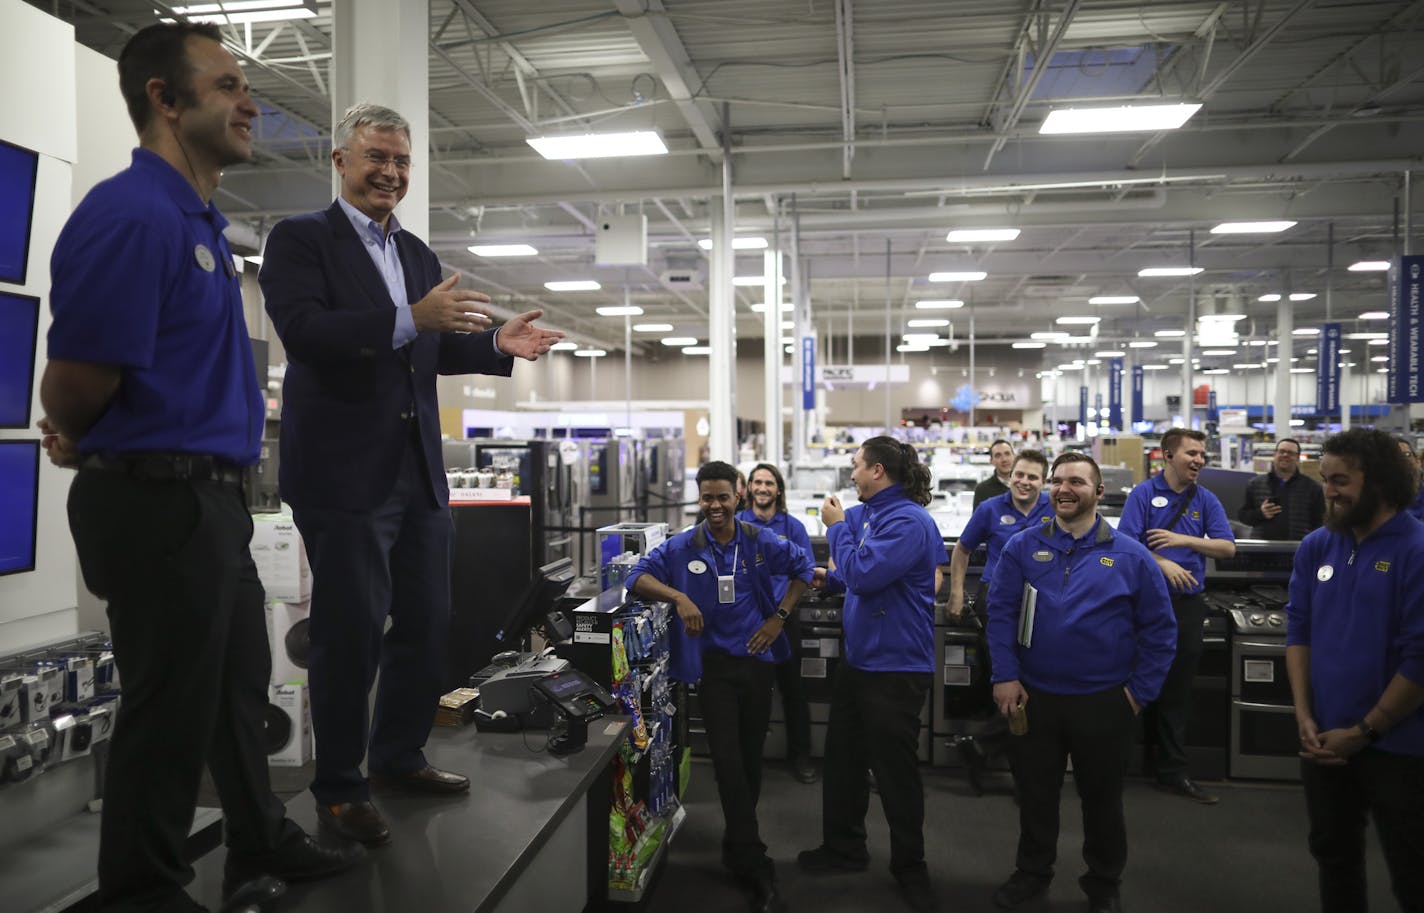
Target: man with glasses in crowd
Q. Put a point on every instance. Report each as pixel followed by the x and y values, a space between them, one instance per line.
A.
pixel 1283 503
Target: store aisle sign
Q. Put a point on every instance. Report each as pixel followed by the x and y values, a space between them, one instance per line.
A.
pixel 1406 330
pixel 862 375
pixel 808 372
pixel 1139 380
pixel 1327 372
pixel 1115 393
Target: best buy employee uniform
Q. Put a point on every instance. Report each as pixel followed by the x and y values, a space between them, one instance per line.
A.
pixel 1152 505
pixel 1102 620
pixel 995 522
pixel 788 672
pixel 1357 606
pixel 886 552
pixel 143 279
pixel 733 687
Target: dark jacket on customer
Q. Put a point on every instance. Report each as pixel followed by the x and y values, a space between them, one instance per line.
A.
pixel 1302 502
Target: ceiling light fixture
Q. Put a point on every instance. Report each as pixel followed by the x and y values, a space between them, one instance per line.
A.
pixel 1119 119
pixel 239 12
pixel 971 235
pixel 598 145
pixel 1114 299
pixel 1073 321
pixel 680 341
pixel 1151 272
pixel 1252 228
pixel 1051 337
pixel 652 327
pixel 502 250
pixel 928 322
pixel 1142 344
pixel 573 285
pixel 1170 334
pixel 1369 266
pixel 590 353
pixel 1306 331
pixel 938 304
pixel 1030 345
pixel 1110 353
pixel 631 310
pixel 697 350
pixel 563 346
pixel 1367 315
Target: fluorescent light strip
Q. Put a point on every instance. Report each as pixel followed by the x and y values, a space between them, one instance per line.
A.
pixel 928 322
pixel 938 304
pixel 563 346
pixel 1369 266
pixel 697 350
pixel 1051 337
pixel 1367 315
pixel 1119 119
pixel 680 341
pixel 652 327
pixel 911 347
pixel 1168 271
pixel 502 250
pixel 590 353
pixel 1078 321
pixel 1252 228
pixel 1030 345
pixel 1114 299
pixel 1110 353
pixel 1170 334
pixel 1142 344
pixel 751 243
pixel 1306 331
pixel 971 235
pixel 598 145
pixel 631 310
pixel 573 285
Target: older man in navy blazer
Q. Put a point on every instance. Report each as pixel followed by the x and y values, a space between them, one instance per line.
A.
pixel 367 324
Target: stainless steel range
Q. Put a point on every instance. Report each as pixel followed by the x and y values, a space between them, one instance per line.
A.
pixel 1264 740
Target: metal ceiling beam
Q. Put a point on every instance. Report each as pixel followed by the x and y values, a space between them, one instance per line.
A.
pixel 650 26
pixel 521 63
pixel 1383 28
pixel 1373 100
pixel 845 53
pixel 1229 71
pixel 1042 54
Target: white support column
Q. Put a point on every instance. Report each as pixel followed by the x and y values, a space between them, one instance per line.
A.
pixel 771 352
pixel 380 54
pixel 1281 403
pixel 721 441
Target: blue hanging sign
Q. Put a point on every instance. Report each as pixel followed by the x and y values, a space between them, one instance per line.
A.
pixel 1082 406
pixel 1406 330
pixel 1327 371
pixel 808 372
pixel 1139 380
pixel 1115 393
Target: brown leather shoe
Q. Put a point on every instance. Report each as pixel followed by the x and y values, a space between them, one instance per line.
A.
pixel 359 821
pixel 426 780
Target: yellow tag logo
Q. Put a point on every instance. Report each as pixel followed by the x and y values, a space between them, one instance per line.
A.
pixel 1105 562
pixel 1196 515
pixel 1382 567
pixel 759 558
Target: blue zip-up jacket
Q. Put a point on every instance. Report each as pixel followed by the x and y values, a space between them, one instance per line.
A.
pixel 689 562
pixel 1152 505
pixel 996 521
pixel 786 527
pixel 1359 607
pixel 886 553
pixel 1102 617
pixel 1416 509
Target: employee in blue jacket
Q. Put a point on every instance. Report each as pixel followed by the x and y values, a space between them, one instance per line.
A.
pixel 767 491
pixel 1415 508
pixel 1082 635
pixel 1183 524
pixel 1355 655
pixel 995 522
pixel 887 553
pixel 728 638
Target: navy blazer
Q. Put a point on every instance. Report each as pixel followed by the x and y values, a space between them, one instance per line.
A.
pixel 348 395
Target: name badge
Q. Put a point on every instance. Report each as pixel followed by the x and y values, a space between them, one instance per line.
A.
pixel 696 566
pixel 1324 573
pixel 1043 555
pixel 204 258
pixel 726 589
pixel 1159 501
pixel 1006 520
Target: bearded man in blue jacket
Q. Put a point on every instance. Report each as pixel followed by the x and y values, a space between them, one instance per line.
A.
pixel 1355 655
pixel 1081 632
pixel 887 553
pixel 728 638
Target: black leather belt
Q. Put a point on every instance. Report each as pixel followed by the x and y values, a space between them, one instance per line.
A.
pixel 168 467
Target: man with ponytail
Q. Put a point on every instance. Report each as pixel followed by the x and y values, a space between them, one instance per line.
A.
pixel 887 554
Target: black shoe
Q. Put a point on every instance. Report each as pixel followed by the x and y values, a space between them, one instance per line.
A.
pixel 257 895
pixel 358 821
pixel 1020 888
pixel 918 893
pixel 297 858
pixel 1185 787
pixel 822 861
pixel 430 780
pixel 763 896
pixel 1111 904
pixel 804 771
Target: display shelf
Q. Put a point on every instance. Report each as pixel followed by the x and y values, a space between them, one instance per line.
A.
pixel 642 881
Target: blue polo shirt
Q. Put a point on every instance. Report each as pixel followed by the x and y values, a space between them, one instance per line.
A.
pixel 785 527
pixel 1153 504
pixel 1357 606
pixel 143 279
pixel 996 521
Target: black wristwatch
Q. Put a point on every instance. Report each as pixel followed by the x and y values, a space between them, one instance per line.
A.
pixel 1371 734
pixel 783 613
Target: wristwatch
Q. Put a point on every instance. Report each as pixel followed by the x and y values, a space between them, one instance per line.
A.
pixel 1371 734
pixel 783 613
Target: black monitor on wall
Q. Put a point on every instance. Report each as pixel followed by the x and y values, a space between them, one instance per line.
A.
pixel 19 325
pixel 19 504
pixel 18 170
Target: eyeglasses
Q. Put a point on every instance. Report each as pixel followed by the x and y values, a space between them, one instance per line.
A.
pixel 1289 453
pixel 380 160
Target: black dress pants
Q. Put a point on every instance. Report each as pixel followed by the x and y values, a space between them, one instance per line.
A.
pixel 186 615
pixel 735 693
pixel 1094 730
pixel 875 725
pixel 1338 800
pixel 1172 705
pixel 793 697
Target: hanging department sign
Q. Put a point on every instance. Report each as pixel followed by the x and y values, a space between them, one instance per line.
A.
pixel 1115 393
pixel 1406 331
pixel 1139 380
pixel 1327 372
pixel 863 375
pixel 808 372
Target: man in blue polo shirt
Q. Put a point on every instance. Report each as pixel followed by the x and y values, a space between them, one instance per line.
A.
pixel 995 522
pixel 1081 630
pixel 150 392
pixel 1355 655
pixel 728 638
pixel 1182 524
pixel 887 553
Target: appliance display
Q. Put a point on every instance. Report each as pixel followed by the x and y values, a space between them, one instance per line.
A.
pixel 19 504
pixel 19 326
pixel 19 168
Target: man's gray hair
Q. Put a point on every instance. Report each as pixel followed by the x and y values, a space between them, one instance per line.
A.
pixel 366 115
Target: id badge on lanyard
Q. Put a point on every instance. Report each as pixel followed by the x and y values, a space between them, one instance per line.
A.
pixel 727 583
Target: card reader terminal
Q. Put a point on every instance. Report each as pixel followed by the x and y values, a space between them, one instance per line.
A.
pixel 575 695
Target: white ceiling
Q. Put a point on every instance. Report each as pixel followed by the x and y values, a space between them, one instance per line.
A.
pixel 884 123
